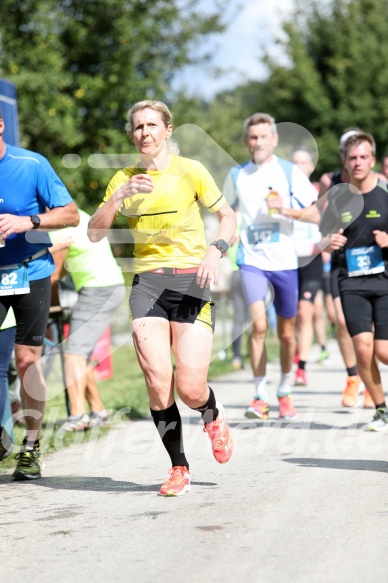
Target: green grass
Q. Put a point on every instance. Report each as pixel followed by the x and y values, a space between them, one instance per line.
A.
pixel 124 392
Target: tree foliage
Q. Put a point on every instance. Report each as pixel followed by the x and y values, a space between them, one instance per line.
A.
pixel 333 75
pixel 79 64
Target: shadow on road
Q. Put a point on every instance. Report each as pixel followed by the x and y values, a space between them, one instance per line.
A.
pixel 355 465
pixel 93 484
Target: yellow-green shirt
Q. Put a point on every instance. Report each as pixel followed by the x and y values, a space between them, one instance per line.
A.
pixel 89 264
pixel 9 321
pixel 166 224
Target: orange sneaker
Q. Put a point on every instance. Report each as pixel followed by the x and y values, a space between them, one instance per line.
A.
pixel 286 408
pixel 368 401
pixel 300 378
pixel 220 436
pixel 351 393
pixel 178 483
pixel 257 409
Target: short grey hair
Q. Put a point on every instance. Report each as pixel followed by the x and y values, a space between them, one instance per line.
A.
pixel 257 118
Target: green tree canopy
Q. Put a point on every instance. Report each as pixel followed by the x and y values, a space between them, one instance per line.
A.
pixel 337 76
pixel 333 75
pixel 79 64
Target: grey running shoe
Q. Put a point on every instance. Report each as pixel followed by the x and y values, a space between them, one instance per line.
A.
pixel 379 421
pixel 76 423
pixel 99 419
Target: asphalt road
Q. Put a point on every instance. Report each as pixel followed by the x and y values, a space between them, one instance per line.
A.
pixel 302 501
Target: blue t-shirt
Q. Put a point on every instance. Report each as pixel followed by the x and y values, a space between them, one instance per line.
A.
pixel 29 185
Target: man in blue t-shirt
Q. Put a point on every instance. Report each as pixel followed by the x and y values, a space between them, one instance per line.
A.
pixel 33 200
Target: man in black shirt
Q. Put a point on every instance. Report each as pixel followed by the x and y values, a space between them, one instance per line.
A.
pixel 354 222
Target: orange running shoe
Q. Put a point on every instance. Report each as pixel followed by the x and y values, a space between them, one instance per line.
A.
pixel 178 483
pixel 300 378
pixel 286 408
pixel 368 401
pixel 257 409
pixel 351 393
pixel 220 436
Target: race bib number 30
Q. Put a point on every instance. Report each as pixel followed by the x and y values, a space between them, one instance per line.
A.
pixel 263 233
pixel 14 280
pixel 364 261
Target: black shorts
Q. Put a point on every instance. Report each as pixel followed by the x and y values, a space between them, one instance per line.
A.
pixel 31 312
pixel 310 279
pixel 326 283
pixel 334 282
pixel 176 298
pixel 364 310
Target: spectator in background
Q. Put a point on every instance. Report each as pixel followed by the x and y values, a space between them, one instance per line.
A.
pixel 33 200
pixel 100 286
pixel 240 312
pixel 310 278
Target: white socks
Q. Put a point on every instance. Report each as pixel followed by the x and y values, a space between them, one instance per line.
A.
pixel 261 388
pixel 284 387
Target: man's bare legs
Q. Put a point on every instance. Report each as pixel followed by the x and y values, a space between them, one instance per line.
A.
pixel 286 334
pixel 32 389
pixel 81 387
pixel 304 336
pixel 350 396
pixel 92 394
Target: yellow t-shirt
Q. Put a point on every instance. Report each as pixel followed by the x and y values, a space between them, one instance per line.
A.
pixel 166 224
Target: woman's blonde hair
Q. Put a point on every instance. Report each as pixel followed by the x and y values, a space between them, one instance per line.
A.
pixel 148 104
pixel 162 108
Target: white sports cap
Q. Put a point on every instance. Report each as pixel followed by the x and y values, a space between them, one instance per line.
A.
pixel 345 136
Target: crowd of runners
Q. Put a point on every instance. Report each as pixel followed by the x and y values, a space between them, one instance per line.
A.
pixel 299 246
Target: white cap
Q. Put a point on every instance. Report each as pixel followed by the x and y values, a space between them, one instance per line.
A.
pixel 345 136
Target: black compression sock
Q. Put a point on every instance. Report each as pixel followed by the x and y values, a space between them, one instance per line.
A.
pixel 352 371
pixel 169 425
pixel 302 364
pixel 209 410
pixel 381 406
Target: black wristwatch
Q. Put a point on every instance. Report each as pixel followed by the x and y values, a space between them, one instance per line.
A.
pixel 221 245
pixel 35 220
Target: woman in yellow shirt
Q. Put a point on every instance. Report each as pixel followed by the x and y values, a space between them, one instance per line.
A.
pixel 170 301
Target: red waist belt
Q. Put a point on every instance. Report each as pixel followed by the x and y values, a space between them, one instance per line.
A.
pixel 174 270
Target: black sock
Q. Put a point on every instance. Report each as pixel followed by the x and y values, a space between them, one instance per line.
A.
pixel 35 444
pixel 352 371
pixel 302 364
pixel 169 425
pixel 323 347
pixel 209 410
pixel 381 406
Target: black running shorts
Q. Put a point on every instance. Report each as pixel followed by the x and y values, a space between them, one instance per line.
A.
pixel 31 312
pixel 177 298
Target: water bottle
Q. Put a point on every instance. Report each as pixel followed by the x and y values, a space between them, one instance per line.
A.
pixel 272 194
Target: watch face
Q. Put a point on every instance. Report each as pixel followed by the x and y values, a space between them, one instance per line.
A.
pixel 35 221
pixel 223 245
